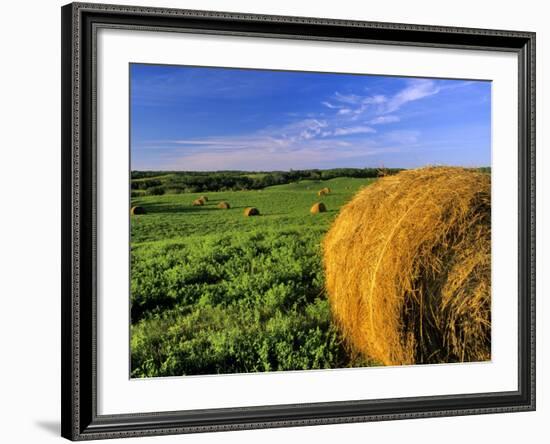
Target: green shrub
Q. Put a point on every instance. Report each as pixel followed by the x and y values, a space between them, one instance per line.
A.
pixel 155 191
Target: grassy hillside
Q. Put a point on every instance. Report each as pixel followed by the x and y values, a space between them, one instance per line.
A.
pixel 157 183
pixel 216 292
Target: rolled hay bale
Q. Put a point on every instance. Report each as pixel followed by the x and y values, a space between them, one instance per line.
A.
pixel 408 267
pixel 319 207
pixel 205 198
pixel 137 210
pixel 198 203
pixel 323 191
pixel 251 211
pixel 224 205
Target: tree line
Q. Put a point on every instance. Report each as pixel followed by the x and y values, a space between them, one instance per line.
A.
pixel 155 183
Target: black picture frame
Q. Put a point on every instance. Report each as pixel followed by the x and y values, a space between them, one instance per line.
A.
pixel 80 420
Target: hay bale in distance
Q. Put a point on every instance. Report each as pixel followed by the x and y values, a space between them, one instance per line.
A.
pixel 408 267
pixel 251 211
pixel 198 203
pixel 205 198
pixel 137 210
pixel 224 205
pixel 323 191
pixel 319 207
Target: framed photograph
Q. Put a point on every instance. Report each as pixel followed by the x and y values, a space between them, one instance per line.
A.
pixel 281 221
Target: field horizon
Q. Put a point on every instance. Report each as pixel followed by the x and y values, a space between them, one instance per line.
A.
pixel 175 182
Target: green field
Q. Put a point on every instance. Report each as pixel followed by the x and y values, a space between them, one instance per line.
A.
pixel 214 292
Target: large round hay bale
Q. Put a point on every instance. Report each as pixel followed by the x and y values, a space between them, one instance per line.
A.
pixel 198 203
pixel 408 267
pixel 323 191
pixel 205 198
pixel 224 205
pixel 137 210
pixel 319 207
pixel 251 211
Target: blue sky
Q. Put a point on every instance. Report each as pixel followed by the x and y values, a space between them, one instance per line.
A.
pixel 205 119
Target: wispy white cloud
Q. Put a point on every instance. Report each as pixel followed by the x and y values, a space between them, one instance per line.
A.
pixel 313 153
pixel 379 104
pixel 330 105
pixel 355 105
pixel 417 89
pixel 304 157
pixel 229 143
pixel 354 99
pixel 381 120
pixel 269 139
pixel 351 99
pixel 300 130
pixel 375 100
pixel 353 130
pixel 264 151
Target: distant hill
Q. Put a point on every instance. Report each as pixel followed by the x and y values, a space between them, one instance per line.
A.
pixel 175 182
